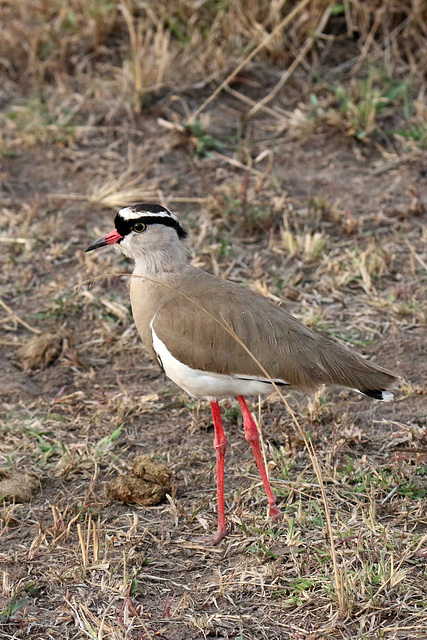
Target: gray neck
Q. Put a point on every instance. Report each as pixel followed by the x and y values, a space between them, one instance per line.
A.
pixel 170 259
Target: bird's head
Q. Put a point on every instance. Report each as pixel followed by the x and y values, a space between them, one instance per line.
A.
pixel 142 229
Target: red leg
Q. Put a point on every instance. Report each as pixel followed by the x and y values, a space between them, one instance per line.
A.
pixel 220 446
pixel 252 436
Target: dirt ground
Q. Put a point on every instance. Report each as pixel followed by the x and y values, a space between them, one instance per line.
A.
pixel 333 227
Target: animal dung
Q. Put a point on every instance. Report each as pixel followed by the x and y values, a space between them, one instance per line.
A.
pixel 155 472
pixel 41 349
pixel 18 487
pixel 147 484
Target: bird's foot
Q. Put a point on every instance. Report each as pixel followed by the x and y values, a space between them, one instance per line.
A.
pixel 275 513
pixel 212 541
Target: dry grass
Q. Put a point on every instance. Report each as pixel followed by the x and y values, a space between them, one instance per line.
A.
pixel 308 187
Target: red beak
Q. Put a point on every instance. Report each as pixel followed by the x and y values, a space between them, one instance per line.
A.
pixel 110 238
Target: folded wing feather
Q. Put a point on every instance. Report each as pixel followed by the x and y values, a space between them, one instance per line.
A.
pixel 204 338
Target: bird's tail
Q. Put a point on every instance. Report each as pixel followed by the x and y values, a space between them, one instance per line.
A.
pixel 341 366
pixel 377 394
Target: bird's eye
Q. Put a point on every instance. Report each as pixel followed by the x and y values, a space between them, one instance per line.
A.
pixel 139 227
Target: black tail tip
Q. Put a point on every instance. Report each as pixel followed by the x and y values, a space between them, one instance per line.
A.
pixel 378 394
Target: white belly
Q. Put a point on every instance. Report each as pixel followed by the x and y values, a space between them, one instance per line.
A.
pixel 205 384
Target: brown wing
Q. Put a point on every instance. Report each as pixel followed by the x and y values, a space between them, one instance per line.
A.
pixel 194 327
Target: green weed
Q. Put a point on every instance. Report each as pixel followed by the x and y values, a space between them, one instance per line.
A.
pixel 369 98
pixel 201 142
pixel 104 445
pixel 12 608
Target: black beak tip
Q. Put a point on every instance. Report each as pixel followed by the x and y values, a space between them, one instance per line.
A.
pixel 96 245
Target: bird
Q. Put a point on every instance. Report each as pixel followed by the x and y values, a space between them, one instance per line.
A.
pixel 218 339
